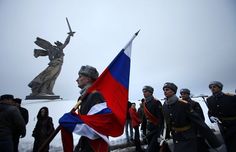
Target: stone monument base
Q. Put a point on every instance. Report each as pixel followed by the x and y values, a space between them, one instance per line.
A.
pixel 38 97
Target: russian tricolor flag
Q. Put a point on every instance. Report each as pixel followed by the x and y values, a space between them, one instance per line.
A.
pixel 106 119
pixel 76 123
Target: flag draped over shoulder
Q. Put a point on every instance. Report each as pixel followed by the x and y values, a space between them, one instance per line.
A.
pixel 108 118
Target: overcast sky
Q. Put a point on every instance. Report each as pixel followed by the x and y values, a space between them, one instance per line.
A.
pixel 188 42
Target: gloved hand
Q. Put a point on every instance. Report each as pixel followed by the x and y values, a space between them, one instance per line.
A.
pixel 160 139
pixel 214 119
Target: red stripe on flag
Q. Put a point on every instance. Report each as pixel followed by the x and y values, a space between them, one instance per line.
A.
pixel 67 140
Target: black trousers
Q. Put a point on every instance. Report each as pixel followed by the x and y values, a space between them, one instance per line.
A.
pixel 153 145
pixel 137 139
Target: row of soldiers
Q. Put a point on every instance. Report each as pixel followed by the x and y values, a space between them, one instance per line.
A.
pixel 182 119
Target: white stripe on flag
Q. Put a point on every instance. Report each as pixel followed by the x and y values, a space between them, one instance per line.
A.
pixel 128 50
pixel 96 108
pixel 85 130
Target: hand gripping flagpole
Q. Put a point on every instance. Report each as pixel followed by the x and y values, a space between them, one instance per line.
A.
pixel 56 131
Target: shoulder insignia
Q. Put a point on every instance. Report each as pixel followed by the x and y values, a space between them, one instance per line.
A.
pixel 183 101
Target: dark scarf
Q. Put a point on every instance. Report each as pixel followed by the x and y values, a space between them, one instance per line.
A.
pixel 218 95
pixel 173 99
pixel 150 98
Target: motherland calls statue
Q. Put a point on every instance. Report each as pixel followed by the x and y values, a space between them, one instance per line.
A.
pixel 42 85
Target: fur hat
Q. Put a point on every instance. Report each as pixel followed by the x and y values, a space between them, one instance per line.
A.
pixel 7 97
pixel 185 90
pixel 171 86
pixel 89 71
pixel 148 88
pixel 217 83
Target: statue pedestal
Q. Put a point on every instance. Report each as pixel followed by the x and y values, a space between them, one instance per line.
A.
pixel 36 97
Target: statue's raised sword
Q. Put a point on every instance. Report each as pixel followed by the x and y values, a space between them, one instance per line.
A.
pixel 70 30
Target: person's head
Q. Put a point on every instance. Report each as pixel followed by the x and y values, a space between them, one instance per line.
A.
pixel 133 105
pixel 58 43
pixel 147 91
pixel 142 100
pixel 17 101
pixel 7 98
pixel 215 87
pixel 87 75
pixel 185 93
pixel 169 89
pixel 43 112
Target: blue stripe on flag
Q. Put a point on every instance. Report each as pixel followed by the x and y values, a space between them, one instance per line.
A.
pixel 69 121
pixel 120 69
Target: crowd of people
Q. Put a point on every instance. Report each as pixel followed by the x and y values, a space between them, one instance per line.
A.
pixel 178 118
pixel 13 121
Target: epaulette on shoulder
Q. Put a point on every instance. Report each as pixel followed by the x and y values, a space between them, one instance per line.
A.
pixel 183 101
pixel 230 94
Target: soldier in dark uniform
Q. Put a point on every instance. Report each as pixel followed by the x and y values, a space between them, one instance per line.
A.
pixel 153 113
pixel 182 121
pixel 88 75
pixel 185 95
pixel 223 107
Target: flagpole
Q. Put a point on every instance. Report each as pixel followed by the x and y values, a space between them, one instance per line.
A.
pixel 130 41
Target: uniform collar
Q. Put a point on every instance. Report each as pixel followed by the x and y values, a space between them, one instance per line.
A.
pixel 150 98
pixel 84 90
pixel 218 95
pixel 171 100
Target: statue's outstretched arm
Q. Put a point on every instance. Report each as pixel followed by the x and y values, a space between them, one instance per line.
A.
pixel 66 41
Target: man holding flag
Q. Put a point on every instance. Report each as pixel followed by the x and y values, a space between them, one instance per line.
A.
pixel 87 75
pixel 103 105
